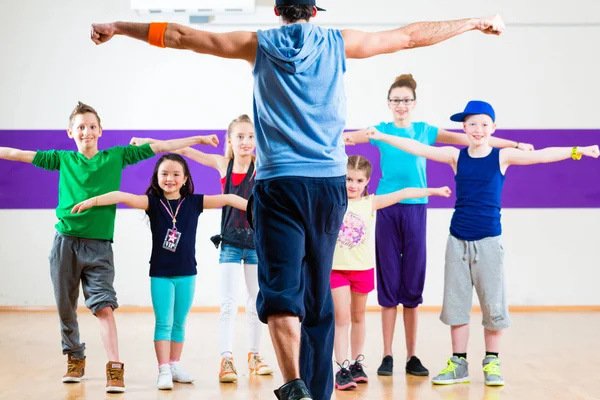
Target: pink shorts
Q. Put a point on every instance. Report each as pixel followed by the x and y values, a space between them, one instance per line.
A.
pixel 359 281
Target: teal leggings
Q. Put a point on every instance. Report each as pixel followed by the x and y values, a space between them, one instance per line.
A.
pixel 172 299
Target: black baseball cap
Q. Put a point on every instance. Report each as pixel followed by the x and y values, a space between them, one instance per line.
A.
pixel 298 3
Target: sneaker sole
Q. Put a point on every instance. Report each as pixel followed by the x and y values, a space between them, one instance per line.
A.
pixel 263 371
pixel 278 395
pixel 418 373
pixel 385 373
pixel 351 385
pixel 451 381
pixel 184 380
pixel 228 378
pixel 494 383
pixel 72 379
pixel 361 380
pixel 167 387
pixel 115 389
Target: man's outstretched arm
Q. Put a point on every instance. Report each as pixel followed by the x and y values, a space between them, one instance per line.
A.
pixel 240 45
pixel 360 44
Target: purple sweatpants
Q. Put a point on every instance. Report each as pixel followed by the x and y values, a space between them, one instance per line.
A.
pixel 401 253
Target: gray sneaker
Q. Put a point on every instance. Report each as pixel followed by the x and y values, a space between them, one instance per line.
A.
pixel 457 371
pixel 491 371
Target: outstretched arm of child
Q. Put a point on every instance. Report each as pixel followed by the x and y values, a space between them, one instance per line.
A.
pixel 548 155
pixel 446 155
pixel 389 199
pixel 166 146
pixel 131 200
pixel 461 139
pixel 222 200
pixel 8 153
pixel 355 137
pixel 215 161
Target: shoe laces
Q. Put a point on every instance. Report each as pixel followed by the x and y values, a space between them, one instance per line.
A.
pixel 492 368
pixel 228 365
pixel 358 363
pixel 344 368
pixel 115 374
pixel 74 366
pixel 257 359
pixel 450 368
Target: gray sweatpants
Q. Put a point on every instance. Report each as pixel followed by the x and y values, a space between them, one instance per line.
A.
pixel 89 261
pixel 478 263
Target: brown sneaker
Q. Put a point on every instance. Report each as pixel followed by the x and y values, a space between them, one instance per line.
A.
pixel 115 382
pixel 75 370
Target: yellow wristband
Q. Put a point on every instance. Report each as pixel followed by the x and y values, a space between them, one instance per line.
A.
pixel 575 155
pixel 96 200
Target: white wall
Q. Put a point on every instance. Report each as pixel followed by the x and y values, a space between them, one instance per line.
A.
pixel 539 74
pixel 548 262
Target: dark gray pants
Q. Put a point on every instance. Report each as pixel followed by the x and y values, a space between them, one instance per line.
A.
pixel 89 261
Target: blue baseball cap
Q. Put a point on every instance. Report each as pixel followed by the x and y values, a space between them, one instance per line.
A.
pixel 475 107
pixel 298 3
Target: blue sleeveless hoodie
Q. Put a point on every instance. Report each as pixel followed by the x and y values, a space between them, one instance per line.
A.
pixel 299 102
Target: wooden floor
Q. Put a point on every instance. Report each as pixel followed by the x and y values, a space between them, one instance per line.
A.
pixel 546 356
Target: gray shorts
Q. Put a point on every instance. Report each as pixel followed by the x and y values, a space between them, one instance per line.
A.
pixel 477 263
pixel 90 262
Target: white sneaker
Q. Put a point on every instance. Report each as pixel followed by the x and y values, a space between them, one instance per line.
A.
pixel 179 374
pixel 165 379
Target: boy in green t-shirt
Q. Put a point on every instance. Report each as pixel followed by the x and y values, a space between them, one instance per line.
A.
pixel 82 250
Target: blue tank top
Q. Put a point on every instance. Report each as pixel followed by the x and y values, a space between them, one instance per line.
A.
pixel 478 191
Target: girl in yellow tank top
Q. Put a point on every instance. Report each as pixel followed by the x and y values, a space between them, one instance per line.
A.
pixel 353 275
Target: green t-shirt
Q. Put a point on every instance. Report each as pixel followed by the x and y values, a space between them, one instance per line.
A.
pixel 82 178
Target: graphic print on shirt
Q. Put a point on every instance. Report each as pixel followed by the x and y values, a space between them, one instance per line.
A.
pixel 353 231
pixel 171 240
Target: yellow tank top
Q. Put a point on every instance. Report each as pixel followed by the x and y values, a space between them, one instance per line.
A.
pixel 353 251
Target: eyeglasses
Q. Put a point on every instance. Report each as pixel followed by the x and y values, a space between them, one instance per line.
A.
pixel 406 102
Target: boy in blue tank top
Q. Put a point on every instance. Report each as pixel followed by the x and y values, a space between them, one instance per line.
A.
pixel 474 252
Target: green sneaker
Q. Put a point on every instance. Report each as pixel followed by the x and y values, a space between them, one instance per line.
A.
pixel 491 371
pixel 457 371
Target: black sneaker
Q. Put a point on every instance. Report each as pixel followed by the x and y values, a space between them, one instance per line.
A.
pixel 387 366
pixel 343 378
pixel 293 390
pixel 357 371
pixel 414 367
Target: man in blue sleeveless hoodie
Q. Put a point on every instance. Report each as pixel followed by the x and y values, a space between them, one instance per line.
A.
pixel 300 195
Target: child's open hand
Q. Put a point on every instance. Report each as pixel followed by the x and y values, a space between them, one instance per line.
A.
pixel 443 191
pixel 84 205
pixel 211 140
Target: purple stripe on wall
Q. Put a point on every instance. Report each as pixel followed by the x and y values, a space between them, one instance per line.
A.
pixel 566 184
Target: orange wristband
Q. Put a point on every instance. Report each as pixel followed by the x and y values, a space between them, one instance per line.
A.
pixel 156 34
